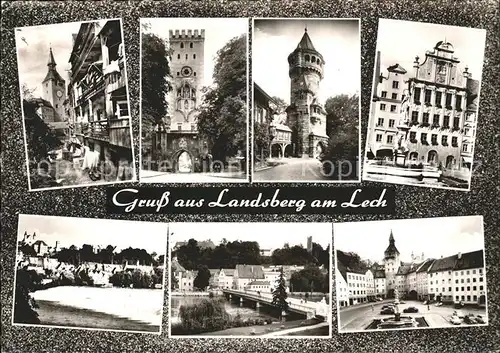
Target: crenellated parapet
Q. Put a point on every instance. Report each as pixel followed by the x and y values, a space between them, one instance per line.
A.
pixel 187 34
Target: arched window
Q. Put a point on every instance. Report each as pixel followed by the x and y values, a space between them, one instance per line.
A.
pixel 318 62
pixel 432 157
pixel 194 56
pixel 191 45
pixel 186 56
pixel 182 45
pixel 313 59
pixel 414 156
pixel 307 58
pixel 178 56
pixel 194 73
pixel 177 73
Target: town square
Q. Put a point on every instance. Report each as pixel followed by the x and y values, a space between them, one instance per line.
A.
pixel 404 287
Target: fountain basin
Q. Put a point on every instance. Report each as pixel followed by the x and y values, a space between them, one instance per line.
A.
pixel 403 322
pixel 424 172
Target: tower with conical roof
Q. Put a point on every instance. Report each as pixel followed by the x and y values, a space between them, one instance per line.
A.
pixel 305 115
pixel 54 87
pixel 391 263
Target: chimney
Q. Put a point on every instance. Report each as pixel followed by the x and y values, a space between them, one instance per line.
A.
pixel 137 263
pixel 459 255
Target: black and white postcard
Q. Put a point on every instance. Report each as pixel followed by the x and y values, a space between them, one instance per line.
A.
pixel 410 274
pixel 75 104
pixel 235 280
pixel 89 273
pixel 425 100
pixel 306 100
pixel 194 100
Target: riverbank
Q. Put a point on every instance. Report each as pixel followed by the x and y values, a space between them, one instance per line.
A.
pixel 260 330
pixel 54 314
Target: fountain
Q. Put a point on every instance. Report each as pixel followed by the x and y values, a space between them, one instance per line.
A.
pixel 399 166
pixel 397 321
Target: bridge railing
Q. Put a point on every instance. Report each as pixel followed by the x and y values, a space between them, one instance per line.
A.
pixel 268 298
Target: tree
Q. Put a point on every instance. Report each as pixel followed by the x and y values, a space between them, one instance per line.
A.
pixel 342 123
pixel 202 278
pixel 280 295
pixel 281 105
pixel 222 119
pixel 24 305
pixel 155 86
pixel 174 283
pixel 261 140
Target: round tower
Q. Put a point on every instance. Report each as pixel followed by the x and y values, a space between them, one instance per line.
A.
pixel 305 115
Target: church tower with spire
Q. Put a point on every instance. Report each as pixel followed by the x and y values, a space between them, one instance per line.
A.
pixel 305 115
pixel 391 263
pixel 54 88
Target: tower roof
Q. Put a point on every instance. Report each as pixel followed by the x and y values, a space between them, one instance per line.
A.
pixel 391 250
pixel 51 61
pixel 305 42
pixel 52 73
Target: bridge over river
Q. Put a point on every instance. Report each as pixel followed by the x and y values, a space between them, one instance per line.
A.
pixel 320 310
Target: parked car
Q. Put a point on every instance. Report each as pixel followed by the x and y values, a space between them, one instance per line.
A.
pixel 387 311
pixel 388 306
pixel 459 305
pixel 410 309
pixel 480 319
pixel 380 299
pixel 439 304
pixel 469 319
pixel 402 302
pixel 455 320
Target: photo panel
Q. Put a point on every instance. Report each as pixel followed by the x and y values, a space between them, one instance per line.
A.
pixel 194 100
pixel 306 100
pixel 425 100
pixel 75 104
pixel 410 274
pixel 233 280
pixel 87 273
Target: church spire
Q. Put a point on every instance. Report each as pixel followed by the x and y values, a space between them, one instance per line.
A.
pixel 391 238
pixel 51 63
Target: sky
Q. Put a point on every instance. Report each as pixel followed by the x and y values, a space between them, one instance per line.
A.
pixel 400 41
pixel 33 44
pixel 337 40
pixel 218 31
pixel 435 237
pixel 268 235
pixel 150 236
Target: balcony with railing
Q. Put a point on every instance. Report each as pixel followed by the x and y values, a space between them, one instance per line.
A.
pixel 115 75
pixel 115 131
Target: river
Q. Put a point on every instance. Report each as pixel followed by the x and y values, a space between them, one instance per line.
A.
pixel 232 309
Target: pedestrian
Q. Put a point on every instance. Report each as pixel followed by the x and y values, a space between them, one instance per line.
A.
pixel 373 308
pixel 428 307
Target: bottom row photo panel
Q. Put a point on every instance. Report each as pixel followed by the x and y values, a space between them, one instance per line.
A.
pixel 90 273
pixel 410 274
pixel 250 279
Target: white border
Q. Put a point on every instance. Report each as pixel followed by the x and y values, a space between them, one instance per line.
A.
pixel 76 327
pixel 323 182
pixel 134 179
pixel 370 117
pixel 418 328
pixel 144 180
pixel 180 337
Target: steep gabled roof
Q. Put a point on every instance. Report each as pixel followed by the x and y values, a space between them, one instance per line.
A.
pixel 404 268
pixel 259 283
pixel 397 68
pixel 468 260
pixel 250 271
pixel 424 266
pixel 444 264
pixel 379 274
pixel 40 242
